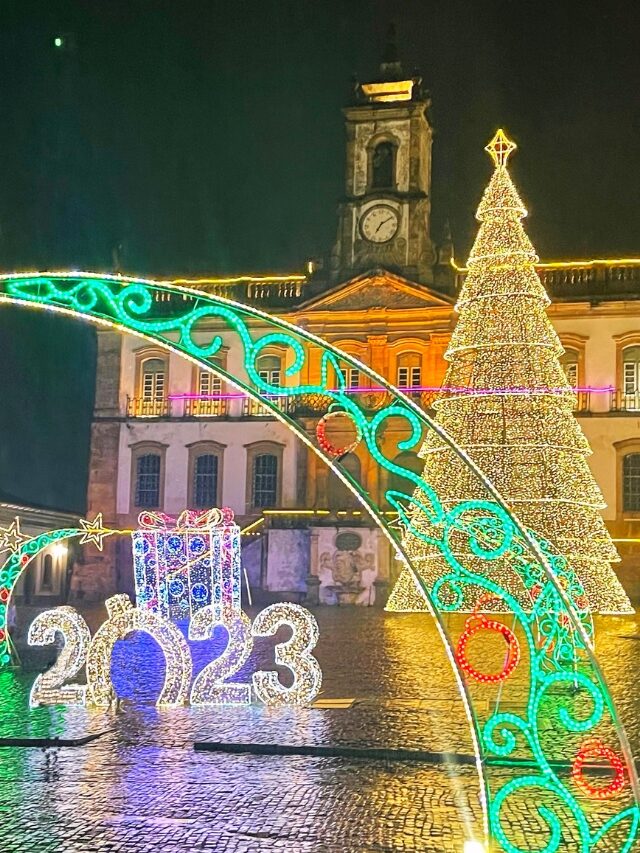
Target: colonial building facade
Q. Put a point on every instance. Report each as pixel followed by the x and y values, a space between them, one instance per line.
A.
pixel 167 436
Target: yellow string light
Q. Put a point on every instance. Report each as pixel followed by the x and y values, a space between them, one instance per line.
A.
pixel 522 433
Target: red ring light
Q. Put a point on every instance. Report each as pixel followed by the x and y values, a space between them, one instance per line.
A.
pixel 476 624
pixel 595 748
pixel 324 442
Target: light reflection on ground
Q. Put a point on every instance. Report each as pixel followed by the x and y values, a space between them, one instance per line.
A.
pixel 142 787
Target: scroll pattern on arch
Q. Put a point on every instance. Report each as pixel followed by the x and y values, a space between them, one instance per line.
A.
pixel 527 736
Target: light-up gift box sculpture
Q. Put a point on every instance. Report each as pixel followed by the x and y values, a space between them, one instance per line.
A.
pixel 182 565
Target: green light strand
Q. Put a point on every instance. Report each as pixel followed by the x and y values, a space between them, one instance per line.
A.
pixel 562 670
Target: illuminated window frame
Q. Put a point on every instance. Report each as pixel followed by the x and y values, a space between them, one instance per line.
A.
pixel 148 354
pixel 409 348
pixel 206 382
pixel 205 448
pixel 352 376
pixel 577 344
pixel 258 448
pixel 624 448
pixel 408 376
pixel 623 342
pixel 630 378
pixel 271 375
pixel 142 448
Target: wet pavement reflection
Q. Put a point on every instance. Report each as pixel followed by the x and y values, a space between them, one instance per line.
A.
pixel 142 787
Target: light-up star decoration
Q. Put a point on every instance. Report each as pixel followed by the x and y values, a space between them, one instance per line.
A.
pixel 11 537
pixel 94 531
pixel 500 148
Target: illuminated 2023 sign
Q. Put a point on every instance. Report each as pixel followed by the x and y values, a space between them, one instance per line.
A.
pixel 212 685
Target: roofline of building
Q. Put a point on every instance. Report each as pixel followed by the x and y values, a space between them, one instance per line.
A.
pixel 27 511
pixel 559 265
pixel 230 280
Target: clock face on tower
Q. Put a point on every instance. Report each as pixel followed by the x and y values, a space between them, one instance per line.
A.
pixel 379 224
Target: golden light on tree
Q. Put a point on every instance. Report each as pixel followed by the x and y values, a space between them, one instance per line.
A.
pixel 507 402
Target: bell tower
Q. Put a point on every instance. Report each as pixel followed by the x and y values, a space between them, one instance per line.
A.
pixel 384 216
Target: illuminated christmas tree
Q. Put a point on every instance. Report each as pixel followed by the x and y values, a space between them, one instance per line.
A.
pixel 507 402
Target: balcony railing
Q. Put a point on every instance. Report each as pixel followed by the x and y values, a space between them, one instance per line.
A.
pixel 252 409
pixel 140 407
pixel 206 408
pixel 315 405
pixel 597 279
pixel 623 401
pixel 583 402
pixel 370 401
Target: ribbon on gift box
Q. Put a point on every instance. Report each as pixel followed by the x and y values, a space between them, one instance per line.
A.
pixel 188 518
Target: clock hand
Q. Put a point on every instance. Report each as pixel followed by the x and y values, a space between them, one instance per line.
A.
pixel 384 222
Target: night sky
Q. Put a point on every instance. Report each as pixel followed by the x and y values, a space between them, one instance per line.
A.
pixel 206 137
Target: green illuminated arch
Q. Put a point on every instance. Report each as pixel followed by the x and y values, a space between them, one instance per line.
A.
pixel 527 729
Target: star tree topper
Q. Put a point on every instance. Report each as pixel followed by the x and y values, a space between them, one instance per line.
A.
pixel 94 531
pixel 500 148
pixel 11 537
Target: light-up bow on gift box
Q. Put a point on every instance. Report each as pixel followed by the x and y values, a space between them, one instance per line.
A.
pixel 186 563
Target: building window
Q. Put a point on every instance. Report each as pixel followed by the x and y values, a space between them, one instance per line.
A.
pixel 569 361
pixel 153 379
pixel 350 376
pixel 264 474
pixel 409 373
pixel 270 369
pixel 631 377
pixel 151 387
pixel 46 578
pixel 383 166
pixel 631 482
pixel 265 480
pixel 205 481
pixel 147 486
pixel 209 396
pixel 264 490
pixel 209 384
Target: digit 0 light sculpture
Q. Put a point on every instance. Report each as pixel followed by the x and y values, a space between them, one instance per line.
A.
pixel 554 687
pixel 123 619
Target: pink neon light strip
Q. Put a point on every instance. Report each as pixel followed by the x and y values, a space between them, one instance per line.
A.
pixel 592 389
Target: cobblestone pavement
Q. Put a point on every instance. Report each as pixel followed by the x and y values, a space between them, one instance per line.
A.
pixel 142 787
